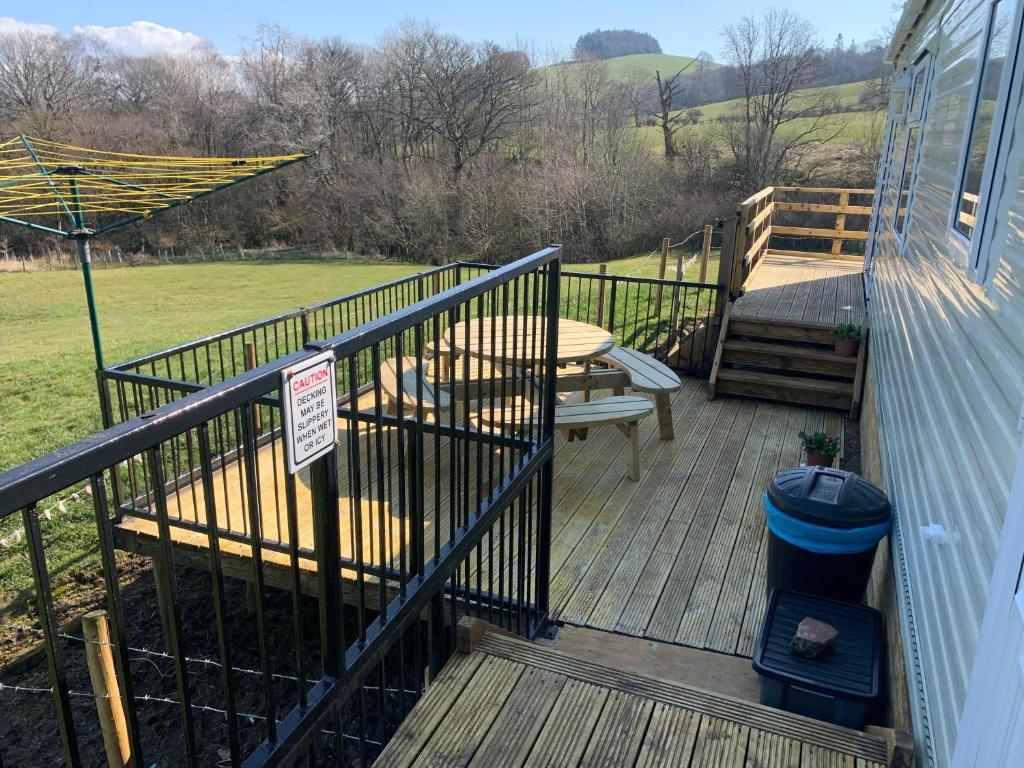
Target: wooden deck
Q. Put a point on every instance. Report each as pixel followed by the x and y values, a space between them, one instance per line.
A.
pixel 826 290
pixel 678 556
pixel 507 702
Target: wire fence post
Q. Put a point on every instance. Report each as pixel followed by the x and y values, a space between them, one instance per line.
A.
pixel 601 270
pixel 666 244
pixel 252 361
pixel 103 676
pixel 705 253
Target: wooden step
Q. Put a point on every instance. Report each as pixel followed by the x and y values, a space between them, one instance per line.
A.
pixel 782 330
pixel 785 389
pixel 785 357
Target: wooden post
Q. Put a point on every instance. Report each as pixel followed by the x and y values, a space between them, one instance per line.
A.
pixel 732 240
pixel 252 361
pixel 103 675
pixel 602 269
pixel 705 253
pixel 437 283
pixel 665 245
pixel 844 202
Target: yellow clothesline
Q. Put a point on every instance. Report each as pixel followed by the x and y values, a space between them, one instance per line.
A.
pixel 41 178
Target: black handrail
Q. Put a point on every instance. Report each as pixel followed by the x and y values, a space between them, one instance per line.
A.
pixel 188 346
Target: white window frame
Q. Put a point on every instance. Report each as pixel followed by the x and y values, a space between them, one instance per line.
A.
pixel 1007 102
pixel 923 68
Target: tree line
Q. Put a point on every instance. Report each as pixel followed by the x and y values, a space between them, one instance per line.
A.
pixel 428 147
pixel 608 43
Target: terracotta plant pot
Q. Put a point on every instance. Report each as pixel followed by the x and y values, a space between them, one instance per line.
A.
pixel 847 347
pixel 817 460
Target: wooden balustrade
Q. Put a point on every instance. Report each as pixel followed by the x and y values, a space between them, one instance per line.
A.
pixel 759 222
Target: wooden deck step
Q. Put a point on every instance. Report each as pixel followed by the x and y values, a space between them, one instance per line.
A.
pixel 786 389
pixel 785 357
pixel 781 330
pixel 504 701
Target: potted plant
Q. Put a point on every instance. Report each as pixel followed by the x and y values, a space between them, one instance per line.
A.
pixel 848 338
pixel 821 449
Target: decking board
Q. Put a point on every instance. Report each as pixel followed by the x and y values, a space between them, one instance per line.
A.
pixel 803 289
pixel 595 715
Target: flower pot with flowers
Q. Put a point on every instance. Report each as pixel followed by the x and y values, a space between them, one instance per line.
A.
pixel 821 450
pixel 848 338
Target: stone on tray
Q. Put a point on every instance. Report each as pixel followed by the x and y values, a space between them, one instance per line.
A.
pixel 813 639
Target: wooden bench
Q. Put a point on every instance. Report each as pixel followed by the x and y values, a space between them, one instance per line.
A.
pixel 648 375
pixel 388 374
pixel 622 411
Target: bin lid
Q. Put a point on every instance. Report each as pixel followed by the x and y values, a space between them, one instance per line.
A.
pixel 829 497
pixel 852 670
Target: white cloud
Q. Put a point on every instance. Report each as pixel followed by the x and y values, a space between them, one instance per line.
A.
pixel 9 25
pixel 143 37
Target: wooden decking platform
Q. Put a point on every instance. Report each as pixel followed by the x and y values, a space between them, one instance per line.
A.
pixel 678 556
pixel 507 702
pixel 826 290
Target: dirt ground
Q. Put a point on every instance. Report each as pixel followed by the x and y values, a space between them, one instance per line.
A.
pixel 28 729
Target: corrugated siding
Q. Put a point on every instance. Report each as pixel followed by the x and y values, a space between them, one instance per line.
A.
pixel 949 368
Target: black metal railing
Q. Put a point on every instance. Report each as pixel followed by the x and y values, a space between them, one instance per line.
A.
pixel 670 319
pixel 667 319
pixel 434 505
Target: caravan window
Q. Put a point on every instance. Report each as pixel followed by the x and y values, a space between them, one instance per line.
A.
pixel 908 174
pixel 910 148
pixel 986 103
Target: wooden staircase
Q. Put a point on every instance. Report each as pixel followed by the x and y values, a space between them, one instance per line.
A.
pixel 786 361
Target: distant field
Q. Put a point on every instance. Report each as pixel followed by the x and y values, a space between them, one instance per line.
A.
pixel 48 397
pixel 855 123
pixel 623 67
pixel 646 265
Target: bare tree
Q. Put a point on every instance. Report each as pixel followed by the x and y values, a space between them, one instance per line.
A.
pixel 668 121
pixel 43 80
pixel 769 133
pixel 472 95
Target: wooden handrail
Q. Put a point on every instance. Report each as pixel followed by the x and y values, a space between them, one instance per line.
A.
pixel 822 190
pixel 758 196
pixel 757 224
pixel 834 234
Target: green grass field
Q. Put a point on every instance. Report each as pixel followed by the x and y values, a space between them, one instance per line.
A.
pixel 48 396
pixel 854 121
pixel 646 265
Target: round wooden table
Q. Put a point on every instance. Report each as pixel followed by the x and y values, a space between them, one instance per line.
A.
pixel 516 340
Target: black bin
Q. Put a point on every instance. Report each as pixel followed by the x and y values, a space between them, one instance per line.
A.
pixel 840 687
pixel 824 527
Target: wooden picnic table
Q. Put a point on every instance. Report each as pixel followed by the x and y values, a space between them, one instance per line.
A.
pixel 516 340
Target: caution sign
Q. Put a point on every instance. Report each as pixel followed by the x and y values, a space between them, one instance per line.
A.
pixel 310 410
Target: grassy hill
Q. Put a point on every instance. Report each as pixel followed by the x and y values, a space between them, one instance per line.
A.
pixel 623 67
pixel 854 119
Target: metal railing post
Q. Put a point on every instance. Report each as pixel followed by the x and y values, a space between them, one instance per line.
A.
pixel 107 420
pixel 323 481
pixel 547 473
pixel 304 325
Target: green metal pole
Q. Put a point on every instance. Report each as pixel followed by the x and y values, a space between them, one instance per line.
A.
pixel 81 238
pixel 85 259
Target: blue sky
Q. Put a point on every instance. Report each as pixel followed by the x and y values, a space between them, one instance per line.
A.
pixel 684 27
